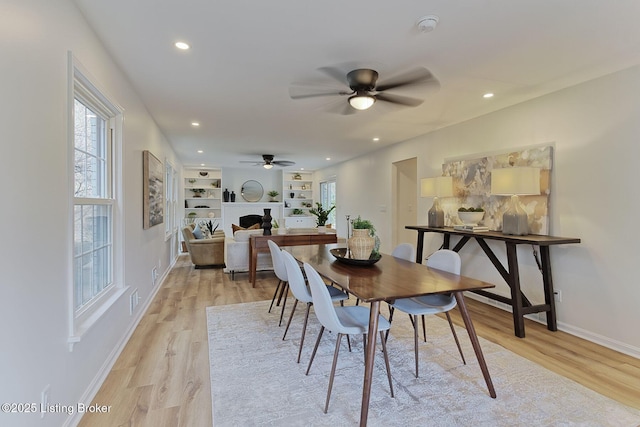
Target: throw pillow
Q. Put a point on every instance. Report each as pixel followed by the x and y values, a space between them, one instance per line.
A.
pixel 235 228
pixel 255 227
pixel 197 233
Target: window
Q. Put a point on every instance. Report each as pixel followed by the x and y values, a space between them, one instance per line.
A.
pixel 328 199
pixel 95 124
pixel 171 199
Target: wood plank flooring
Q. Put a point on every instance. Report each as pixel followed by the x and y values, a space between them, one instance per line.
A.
pixel 162 376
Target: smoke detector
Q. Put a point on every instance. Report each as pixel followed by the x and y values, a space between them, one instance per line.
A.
pixel 427 23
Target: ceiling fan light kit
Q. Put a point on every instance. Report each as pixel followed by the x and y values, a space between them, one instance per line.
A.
pixel 361 101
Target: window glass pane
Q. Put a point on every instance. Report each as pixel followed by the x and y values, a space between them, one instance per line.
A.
pixel 90 141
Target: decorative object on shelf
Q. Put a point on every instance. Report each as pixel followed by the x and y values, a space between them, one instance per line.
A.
pixel 470 216
pixel 211 214
pixel 297 176
pixel 192 181
pixel 362 242
pixel 273 194
pixel 514 182
pixel 441 186
pixel 321 214
pixel 197 192
pixel 266 222
pixel 292 195
pixel 152 190
pixel 203 207
pixel 204 174
pixel 342 255
pixel 214 184
pixel 252 191
pixel 298 212
pixel 225 195
pixel 232 196
pixel 192 214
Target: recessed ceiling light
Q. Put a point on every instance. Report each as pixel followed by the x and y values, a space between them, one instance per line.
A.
pixel 195 124
pixel 328 158
pixel 201 164
pixel 182 45
pixel 200 151
pixel 488 95
pixel 376 139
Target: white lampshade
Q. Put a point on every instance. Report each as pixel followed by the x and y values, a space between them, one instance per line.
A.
pixel 441 186
pixel 515 181
pixel 361 102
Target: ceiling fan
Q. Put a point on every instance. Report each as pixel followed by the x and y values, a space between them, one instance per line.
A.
pixel 364 91
pixel 268 162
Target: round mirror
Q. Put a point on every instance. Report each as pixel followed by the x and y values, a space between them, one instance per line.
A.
pixel 252 191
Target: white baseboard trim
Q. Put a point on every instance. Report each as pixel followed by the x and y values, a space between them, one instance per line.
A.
pixel 565 327
pixel 94 386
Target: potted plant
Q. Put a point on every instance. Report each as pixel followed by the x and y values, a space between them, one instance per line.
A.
pixel 470 216
pixel 322 214
pixel 273 194
pixel 192 181
pixel 276 227
pixel 197 192
pixel 362 242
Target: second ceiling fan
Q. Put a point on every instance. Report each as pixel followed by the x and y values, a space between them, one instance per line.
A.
pixel 364 90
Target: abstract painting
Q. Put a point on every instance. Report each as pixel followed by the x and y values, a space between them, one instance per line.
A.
pixel 153 190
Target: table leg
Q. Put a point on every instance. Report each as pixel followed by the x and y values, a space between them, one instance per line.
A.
pixel 516 295
pixel 420 246
pixel 253 260
pixel 549 298
pixel 474 342
pixel 370 355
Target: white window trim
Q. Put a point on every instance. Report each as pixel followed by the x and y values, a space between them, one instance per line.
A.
pixel 80 322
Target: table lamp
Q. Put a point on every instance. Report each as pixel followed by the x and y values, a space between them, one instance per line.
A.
pixel 441 186
pixel 514 182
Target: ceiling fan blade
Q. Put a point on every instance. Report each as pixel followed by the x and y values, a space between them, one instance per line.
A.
pixel 302 93
pixel 413 77
pixel 283 163
pixel 398 99
pixel 335 74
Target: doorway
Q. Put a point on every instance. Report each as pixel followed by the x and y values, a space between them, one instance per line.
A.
pixel 405 200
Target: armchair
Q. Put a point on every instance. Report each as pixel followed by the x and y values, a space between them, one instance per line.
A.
pixel 204 252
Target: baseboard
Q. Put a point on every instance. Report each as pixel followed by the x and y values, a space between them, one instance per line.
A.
pixel 95 384
pixel 567 328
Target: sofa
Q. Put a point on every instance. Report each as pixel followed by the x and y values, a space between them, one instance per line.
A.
pixel 206 251
pixel 236 253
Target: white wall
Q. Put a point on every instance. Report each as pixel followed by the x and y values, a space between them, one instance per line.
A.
pixel 35 36
pixel 595 128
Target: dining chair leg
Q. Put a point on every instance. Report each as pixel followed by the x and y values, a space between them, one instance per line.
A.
pixel 415 340
pixel 424 329
pixel 455 337
pixel 275 293
pixel 281 292
pixel 293 310
pixel 304 330
pixel 315 349
pixel 333 371
pixel 386 361
pixel 284 303
pixel 391 311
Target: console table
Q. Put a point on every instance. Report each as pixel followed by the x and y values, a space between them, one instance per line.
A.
pixel 518 301
pixel 258 243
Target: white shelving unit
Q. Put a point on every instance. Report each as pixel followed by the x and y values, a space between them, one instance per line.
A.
pixel 202 194
pixel 297 196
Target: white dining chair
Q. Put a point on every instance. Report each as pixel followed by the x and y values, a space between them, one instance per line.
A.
pixel 348 320
pixel 445 260
pixel 404 251
pixel 282 289
pixel 301 292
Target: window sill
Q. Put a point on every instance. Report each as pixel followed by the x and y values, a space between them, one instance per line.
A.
pixel 81 328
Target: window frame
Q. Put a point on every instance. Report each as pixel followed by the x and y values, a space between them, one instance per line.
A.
pixel 81 86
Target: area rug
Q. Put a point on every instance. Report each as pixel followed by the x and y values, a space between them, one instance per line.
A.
pixel 255 380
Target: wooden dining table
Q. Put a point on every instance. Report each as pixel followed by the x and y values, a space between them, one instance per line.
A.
pixel 387 280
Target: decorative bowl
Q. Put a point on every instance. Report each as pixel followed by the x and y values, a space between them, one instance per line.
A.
pixel 341 255
pixel 471 218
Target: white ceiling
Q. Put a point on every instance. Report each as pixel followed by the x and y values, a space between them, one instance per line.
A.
pixel 246 55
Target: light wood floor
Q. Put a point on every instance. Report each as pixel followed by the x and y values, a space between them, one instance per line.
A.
pixel 162 376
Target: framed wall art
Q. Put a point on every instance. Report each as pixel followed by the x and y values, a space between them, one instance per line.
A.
pixel 153 190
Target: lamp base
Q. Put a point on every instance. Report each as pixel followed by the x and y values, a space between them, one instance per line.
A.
pixel 435 216
pixel 515 221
